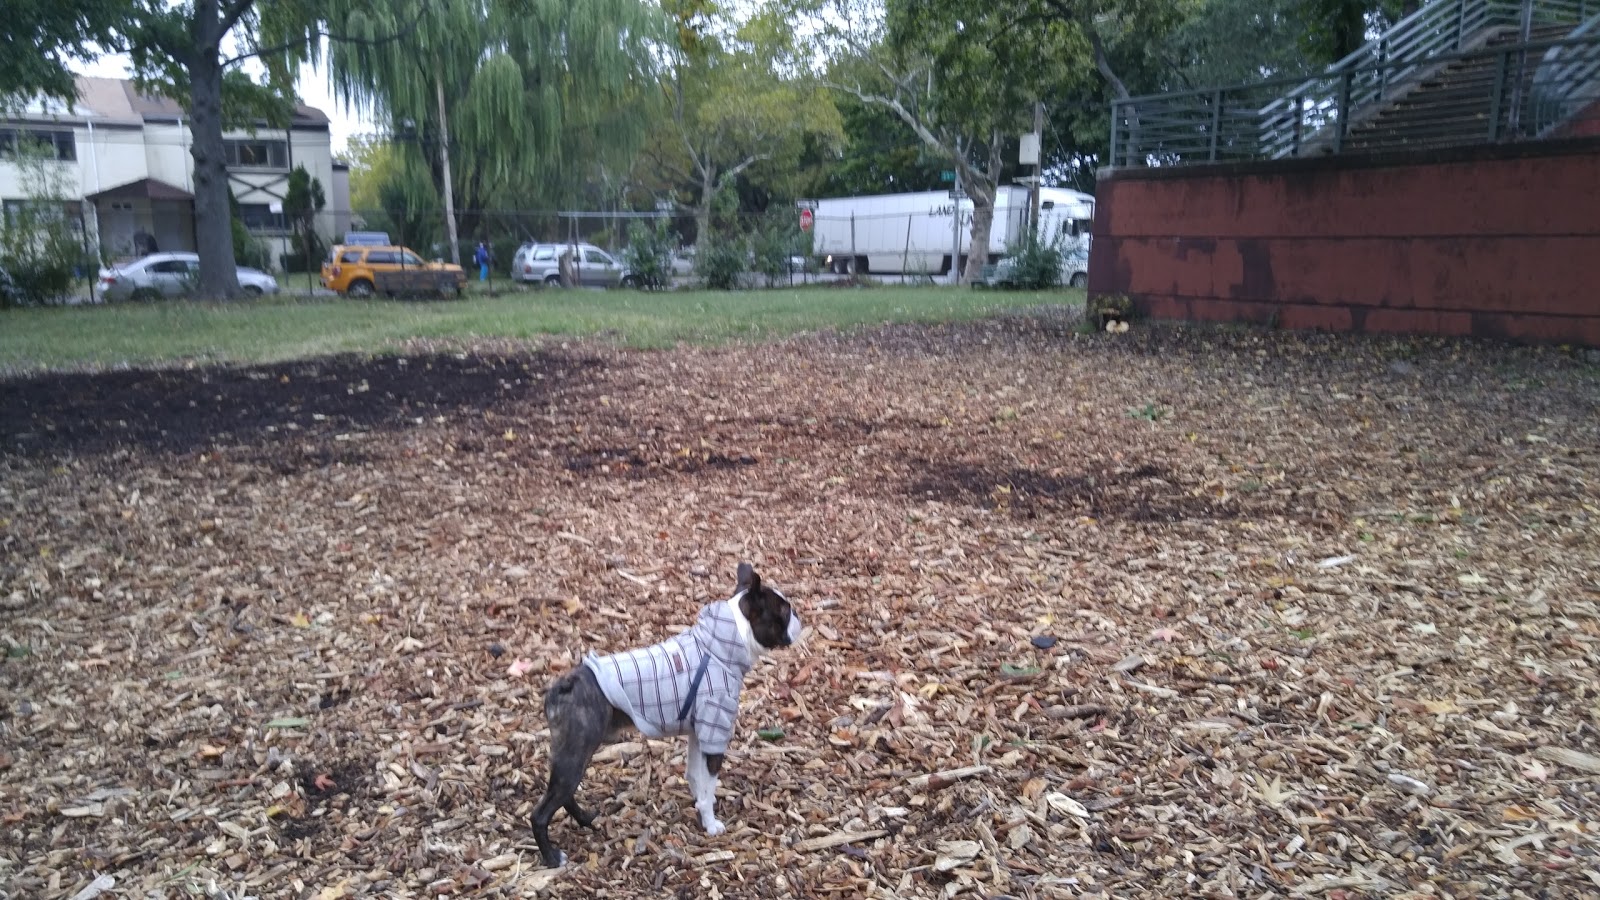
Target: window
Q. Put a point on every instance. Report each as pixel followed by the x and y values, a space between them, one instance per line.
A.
pixel 260 217
pixel 410 259
pixel 169 267
pixel 351 256
pixel 382 258
pixel 70 211
pixel 253 154
pixel 56 144
pixel 595 257
pixel 544 253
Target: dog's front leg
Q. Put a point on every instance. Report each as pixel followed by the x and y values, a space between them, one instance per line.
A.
pixel 702 770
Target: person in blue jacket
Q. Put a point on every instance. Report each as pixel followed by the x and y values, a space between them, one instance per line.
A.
pixel 481 257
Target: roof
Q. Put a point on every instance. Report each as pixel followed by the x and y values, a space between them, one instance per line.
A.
pixel 119 101
pixel 150 107
pixel 147 188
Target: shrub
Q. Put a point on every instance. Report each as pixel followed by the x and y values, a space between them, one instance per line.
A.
pixel 649 253
pixel 1035 262
pixel 41 247
pixel 720 261
pixel 775 240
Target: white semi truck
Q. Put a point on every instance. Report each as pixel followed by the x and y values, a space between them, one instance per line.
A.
pixel 913 234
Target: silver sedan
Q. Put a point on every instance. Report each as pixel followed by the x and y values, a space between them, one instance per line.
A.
pixel 171 275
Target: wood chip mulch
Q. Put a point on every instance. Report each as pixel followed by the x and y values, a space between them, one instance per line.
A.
pixel 1171 613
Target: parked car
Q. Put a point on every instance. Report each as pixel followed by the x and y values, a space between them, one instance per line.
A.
pixel 171 275
pixel 530 260
pixel 591 266
pixel 353 270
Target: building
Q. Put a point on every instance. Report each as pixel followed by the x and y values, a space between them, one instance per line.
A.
pixel 130 177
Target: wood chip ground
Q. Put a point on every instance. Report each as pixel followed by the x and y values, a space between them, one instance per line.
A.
pixel 1170 613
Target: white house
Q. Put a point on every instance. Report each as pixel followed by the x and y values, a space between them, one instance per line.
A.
pixel 126 161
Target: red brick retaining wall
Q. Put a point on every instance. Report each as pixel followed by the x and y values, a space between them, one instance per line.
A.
pixel 1500 241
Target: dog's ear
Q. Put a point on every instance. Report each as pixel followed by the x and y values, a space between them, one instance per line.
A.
pixel 749 581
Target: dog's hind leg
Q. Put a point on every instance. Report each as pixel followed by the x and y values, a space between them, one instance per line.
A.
pixel 578 725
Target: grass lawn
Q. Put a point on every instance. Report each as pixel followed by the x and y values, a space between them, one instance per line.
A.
pixel 287 328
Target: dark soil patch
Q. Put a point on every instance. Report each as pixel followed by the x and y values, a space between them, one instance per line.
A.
pixel 1147 493
pixel 193 410
pixel 631 464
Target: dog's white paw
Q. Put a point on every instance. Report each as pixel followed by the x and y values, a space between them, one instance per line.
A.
pixel 561 858
pixel 714 827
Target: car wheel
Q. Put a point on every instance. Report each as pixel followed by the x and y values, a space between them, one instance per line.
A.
pixel 553 281
pixel 1080 279
pixel 252 291
pixel 360 288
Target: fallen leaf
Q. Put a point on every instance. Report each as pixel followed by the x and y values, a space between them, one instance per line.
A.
pixel 520 667
pixel 323 783
pixel 1165 634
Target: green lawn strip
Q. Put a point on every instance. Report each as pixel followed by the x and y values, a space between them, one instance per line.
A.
pixel 290 328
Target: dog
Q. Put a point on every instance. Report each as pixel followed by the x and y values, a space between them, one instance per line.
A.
pixel 687 684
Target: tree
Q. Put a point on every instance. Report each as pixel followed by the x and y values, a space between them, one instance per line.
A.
pixel 499 97
pixel 303 199
pixel 181 50
pixel 962 78
pixel 41 38
pixel 730 111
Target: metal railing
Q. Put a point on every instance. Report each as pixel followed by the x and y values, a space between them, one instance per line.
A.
pixel 1401 57
pixel 1503 93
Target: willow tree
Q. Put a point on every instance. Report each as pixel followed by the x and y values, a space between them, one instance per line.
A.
pixel 501 95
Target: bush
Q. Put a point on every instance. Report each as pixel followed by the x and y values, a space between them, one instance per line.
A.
pixel 777 239
pixel 1035 263
pixel 649 254
pixel 41 248
pixel 720 262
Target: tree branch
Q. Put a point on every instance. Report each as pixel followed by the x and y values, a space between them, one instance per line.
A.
pixel 400 35
pixel 232 13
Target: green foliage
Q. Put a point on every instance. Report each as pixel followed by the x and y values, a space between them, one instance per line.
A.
pixel 777 237
pixel 649 253
pixel 1035 262
pixel 42 37
pixel 719 260
pixel 248 250
pixel 302 201
pixel 41 246
pixel 539 95
pixel 735 108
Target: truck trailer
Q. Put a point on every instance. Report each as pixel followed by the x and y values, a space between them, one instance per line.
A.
pixel 913 234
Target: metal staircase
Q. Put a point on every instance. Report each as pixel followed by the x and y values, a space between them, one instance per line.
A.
pixel 1453 73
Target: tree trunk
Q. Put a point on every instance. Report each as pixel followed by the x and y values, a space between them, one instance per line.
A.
pixel 982 225
pixel 702 214
pixel 449 184
pixel 219 277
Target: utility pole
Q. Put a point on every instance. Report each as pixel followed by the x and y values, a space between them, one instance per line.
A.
pixel 955 230
pixel 1038 163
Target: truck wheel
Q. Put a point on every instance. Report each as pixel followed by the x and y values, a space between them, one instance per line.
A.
pixel 360 288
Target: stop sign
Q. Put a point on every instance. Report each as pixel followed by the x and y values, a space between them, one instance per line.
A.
pixel 805 220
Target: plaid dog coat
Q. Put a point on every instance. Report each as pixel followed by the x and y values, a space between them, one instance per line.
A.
pixel 656 685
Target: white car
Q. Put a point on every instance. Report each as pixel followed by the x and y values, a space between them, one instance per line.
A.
pixel 171 275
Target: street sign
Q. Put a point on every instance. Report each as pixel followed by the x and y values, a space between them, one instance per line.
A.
pixel 958 194
pixel 947 175
pixel 805 220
